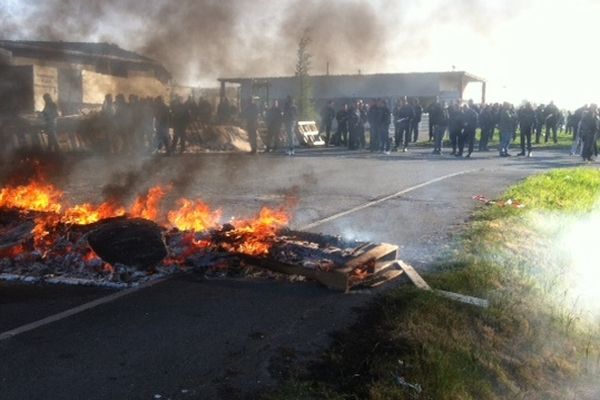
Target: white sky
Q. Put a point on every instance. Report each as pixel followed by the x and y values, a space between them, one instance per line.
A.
pixel 547 51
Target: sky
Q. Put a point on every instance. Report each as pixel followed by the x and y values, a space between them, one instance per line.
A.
pixel 532 50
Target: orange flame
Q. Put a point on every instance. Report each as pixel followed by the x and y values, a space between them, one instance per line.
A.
pixel 35 196
pixel 148 206
pixel 87 213
pixel 193 216
pixel 257 234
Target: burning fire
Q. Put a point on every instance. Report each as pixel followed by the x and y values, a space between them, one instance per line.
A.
pixel 193 216
pixel 87 213
pixel 148 206
pixel 36 196
pixel 255 237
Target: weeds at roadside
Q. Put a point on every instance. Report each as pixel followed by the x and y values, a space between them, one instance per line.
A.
pixel 535 341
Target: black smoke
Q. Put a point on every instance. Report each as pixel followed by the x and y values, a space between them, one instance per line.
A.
pixel 202 39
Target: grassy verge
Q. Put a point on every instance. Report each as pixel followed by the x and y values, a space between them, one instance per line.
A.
pixel 539 338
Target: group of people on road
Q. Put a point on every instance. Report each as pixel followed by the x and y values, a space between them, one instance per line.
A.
pixel 137 124
pixel 459 123
pixel 277 117
pixel 145 123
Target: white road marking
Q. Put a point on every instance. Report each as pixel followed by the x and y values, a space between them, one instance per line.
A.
pixel 107 299
pixel 383 199
pixel 76 310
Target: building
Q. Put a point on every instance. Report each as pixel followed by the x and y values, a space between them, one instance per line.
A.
pixel 75 74
pixel 425 85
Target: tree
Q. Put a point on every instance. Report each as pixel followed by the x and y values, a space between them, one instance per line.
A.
pixel 303 64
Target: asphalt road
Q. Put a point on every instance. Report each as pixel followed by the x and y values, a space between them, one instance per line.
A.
pixel 190 338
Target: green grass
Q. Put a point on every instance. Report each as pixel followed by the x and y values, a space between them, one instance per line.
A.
pixel 532 343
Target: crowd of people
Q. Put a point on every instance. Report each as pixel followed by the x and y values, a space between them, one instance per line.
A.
pixel 147 124
pixel 458 122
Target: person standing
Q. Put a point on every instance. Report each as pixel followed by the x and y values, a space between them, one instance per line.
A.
pixel 431 124
pixel 588 129
pixel 485 122
pixel 384 127
pixel 50 113
pixel 552 117
pixel 353 127
pixel 438 118
pixel 327 116
pixel 506 126
pixel 539 122
pixel 162 122
pixel 526 117
pixel 362 140
pixel 122 141
pixel 470 121
pixel 416 120
pixel 341 134
pixel 290 116
pixel 403 115
pixel 180 113
pixel 455 126
pixel 274 120
pixel 374 120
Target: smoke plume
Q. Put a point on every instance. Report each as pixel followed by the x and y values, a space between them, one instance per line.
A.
pixel 199 40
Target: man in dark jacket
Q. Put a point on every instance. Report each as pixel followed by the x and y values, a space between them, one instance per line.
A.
pixel 414 123
pixel 455 125
pixel 468 134
pixel 438 119
pixel 552 117
pixel 341 135
pixel 162 120
pixel 588 129
pixel 526 117
pixel 403 115
pixel 290 118
pixel 374 119
pixel 327 116
pixel 50 113
pixel 486 122
pixel 354 123
pixel 274 120
pixel 539 122
pixel 507 127
pixel 384 127
pixel 180 113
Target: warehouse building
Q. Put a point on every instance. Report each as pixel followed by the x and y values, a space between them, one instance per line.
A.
pixel 424 85
pixel 76 74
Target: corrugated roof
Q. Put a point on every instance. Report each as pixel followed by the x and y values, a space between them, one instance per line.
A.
pixel 107 50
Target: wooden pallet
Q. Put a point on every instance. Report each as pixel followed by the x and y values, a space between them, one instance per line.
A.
pixel 377 261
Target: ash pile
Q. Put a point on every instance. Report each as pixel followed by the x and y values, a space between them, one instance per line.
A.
pixel 45 239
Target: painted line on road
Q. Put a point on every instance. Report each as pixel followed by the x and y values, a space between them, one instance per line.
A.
pixel 383 199
pixel 76 310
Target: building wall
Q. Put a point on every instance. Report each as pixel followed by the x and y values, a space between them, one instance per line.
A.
pixel 45 80
pixel 354 86
pixel 96 86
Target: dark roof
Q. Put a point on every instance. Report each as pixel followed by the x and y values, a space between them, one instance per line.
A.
pixel 102 50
